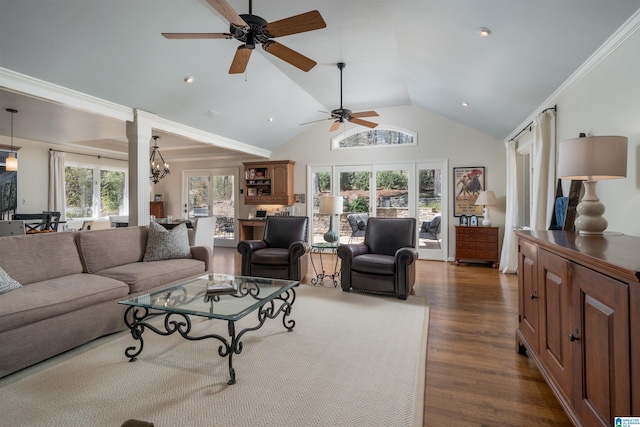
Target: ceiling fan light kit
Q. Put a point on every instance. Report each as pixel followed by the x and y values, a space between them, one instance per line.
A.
pixel 251 29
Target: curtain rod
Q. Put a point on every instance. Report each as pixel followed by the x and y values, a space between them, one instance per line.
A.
pixel 528 127
pixel 90 155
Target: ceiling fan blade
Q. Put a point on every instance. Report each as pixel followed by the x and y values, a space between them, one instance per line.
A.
pixel 295 24
pixel 197 35
pixel 240 60
pixel 288 55
pixel 365 114
pixel 362 122
pixel 335 126
pixel 227 12
pixel 316 121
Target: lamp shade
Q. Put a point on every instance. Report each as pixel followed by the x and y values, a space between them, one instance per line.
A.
pixel 330 205
pixel 487 198
pixel 593 158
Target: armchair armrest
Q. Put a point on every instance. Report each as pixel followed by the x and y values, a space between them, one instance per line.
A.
pixel 346 253
pixel 297 249
pixel 246 248
pixel 297 259
pixel 203 253
pixel 405 274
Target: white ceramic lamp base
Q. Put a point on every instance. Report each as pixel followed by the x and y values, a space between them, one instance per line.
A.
pixel 486 222
pixel 590 209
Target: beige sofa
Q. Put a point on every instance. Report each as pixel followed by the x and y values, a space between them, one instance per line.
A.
pixel 72 282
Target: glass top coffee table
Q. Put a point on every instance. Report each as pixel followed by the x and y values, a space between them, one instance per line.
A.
pixel 214 296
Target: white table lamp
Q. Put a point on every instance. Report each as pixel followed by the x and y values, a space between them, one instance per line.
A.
pixel 331 205
pixel 486 198
pixel 592 159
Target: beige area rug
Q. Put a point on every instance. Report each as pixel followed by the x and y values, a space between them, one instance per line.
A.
pixel 351 360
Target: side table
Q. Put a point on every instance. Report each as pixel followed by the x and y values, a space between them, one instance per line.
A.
pixel 321 274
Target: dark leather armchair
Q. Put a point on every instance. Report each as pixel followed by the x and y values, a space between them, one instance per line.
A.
pixel 283 252
pixel 385 263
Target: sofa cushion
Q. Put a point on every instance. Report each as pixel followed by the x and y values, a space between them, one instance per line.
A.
pixel 7 283
pixel 49 298
pixel 165 244
pixel 36 257
pixel 374 264
pixel 142 276
pixel 100 249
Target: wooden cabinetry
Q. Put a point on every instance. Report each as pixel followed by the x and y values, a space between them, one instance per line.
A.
pixel 575 321
pixel 477 243
pixel 157 209
pixel 269 183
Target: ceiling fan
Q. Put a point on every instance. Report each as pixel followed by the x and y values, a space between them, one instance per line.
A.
pixel 251 29
pixel 341 114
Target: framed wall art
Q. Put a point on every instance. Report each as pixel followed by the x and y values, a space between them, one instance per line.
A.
pixel 468 183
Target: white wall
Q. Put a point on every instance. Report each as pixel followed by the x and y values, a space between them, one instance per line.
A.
pixel 438 138
pixel 605 100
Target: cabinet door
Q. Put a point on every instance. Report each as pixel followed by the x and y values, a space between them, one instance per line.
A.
pixel 556 320
pixel 601 347
pixel 280 181
pixel 528 293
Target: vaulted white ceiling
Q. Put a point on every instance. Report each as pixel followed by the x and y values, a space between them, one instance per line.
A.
pixel 424 53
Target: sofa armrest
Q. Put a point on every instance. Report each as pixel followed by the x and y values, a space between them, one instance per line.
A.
pixel 204 254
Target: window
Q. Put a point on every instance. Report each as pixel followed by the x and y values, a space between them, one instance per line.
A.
pixel 94 191
pixel 382 136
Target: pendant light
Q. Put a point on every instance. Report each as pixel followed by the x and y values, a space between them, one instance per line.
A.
pixel 11 162
pixel 156 173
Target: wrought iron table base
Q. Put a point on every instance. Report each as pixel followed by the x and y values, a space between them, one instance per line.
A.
pixel 181 323
pixel 320 276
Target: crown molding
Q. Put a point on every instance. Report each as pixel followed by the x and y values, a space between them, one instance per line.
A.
pixel 627 29
pixel 49 92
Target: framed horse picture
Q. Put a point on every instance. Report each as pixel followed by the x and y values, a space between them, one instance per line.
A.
pixel 468 183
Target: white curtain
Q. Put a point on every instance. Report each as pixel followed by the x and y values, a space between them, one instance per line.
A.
pixel 56 183
pixel 509 256
pixel 543 162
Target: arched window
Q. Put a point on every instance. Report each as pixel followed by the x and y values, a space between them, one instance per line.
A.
pixel 381 136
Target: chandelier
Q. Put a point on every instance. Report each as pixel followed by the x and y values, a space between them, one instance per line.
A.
pixel 156 173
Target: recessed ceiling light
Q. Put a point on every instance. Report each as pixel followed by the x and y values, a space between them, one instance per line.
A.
pixel 484 32
pixel 464 104
pixel 188 79
pixel 270 119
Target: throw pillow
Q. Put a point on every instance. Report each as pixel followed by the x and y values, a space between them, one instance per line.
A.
pixel 167 244
pixel 362 225
pixel 7 283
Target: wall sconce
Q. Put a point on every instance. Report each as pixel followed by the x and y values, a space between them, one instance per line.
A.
pixel 592 159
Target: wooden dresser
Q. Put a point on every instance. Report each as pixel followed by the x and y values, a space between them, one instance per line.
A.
pixel 477 244
pixel 579 320
pixel 157 209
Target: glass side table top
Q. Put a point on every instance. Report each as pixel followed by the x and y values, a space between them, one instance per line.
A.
pixel 191 297
pixel 325 245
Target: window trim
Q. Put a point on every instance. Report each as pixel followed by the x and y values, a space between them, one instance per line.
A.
pixel 97 168
pixel 335 141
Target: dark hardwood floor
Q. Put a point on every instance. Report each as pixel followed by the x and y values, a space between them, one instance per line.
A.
pixel 474 375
